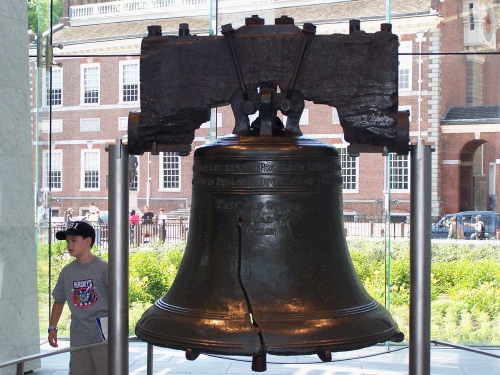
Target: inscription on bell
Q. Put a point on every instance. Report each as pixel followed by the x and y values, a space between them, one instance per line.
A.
pixel 232 205
pixel 236 181
pixel 268 167
pixel 259 231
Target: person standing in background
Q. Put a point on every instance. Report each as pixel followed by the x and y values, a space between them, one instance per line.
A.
pixel 147 224
pixel 134 222
pixel 69 215
pixel 147 216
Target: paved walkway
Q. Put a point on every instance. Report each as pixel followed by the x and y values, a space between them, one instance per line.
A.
pixel 369 361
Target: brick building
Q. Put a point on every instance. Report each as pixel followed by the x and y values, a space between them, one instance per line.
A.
pixel 447 80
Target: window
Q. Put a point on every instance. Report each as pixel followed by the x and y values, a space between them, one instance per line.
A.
pixel 170 172
pixel 134 185
pixel 214 119
pixel 304 118
pixel 90 83
pixel 52 169
pixel 129 72
pixel 404 70
pixel 56 87
pixel 349 167
pixel 471 15
pixel 492 178
pixel 399 172
pixel 133 167
pixel 90 169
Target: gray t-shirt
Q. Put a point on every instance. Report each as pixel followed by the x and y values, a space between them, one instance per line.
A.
pixel 85 288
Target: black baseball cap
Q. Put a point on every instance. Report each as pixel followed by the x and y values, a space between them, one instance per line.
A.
pixel 77 228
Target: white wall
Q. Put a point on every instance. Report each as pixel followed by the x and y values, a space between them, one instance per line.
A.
pixel 19 332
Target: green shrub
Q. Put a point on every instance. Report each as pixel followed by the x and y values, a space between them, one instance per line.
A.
pixel 152 271
pixel 465 283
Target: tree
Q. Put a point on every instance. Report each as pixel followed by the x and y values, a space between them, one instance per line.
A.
pixel 33 5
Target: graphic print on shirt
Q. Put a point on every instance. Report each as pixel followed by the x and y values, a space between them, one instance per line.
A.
pixel 84 294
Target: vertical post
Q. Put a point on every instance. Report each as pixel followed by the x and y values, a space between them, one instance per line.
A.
pixel 420 260
pixel 118 259
pixel 149 367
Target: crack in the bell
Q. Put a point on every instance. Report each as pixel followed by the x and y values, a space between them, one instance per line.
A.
pixel 257 328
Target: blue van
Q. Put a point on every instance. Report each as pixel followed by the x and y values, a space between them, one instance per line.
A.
pixel 467 219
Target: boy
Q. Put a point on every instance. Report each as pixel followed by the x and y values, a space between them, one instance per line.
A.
pixel 84 285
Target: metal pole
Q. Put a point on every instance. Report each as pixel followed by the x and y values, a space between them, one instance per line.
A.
pixel 420 261
pixel 118 259
pixel 149 367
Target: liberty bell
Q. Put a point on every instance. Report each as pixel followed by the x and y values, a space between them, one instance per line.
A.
pixel 266 267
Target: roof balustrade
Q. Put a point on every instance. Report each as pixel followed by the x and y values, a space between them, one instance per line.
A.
pixel 165 7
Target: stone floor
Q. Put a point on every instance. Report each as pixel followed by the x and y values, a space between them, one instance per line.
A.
pixel 376 360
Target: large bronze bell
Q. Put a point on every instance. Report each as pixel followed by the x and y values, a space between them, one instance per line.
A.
pixel 266 267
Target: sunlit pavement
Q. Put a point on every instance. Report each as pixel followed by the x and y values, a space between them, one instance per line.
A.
pixel 376 360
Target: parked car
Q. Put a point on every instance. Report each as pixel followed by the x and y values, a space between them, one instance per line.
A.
pixel 103 215
pixel 467 219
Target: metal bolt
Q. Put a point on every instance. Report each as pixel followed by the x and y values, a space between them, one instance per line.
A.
pixel 248 107
pixel 386 27
pixel 154 30
pixel 227 29
pixel 284 20
pixel 255 20
pixel 354 25
pixel 285 105
pixel 309 28
pixel 183 29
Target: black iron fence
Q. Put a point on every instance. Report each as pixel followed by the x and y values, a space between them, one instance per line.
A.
pixel 162 230
pixel 176 230
pixel 372 226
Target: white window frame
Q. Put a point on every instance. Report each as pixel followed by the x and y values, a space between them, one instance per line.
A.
pixel 345 160
pixel 84 166
pixel 56 169
pixel 405 65
pixel 123 65
pixel 83 85
pixel 57 84
pixel 401 163
pixel 164 172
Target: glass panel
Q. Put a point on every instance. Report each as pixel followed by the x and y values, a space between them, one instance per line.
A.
pixel 448 80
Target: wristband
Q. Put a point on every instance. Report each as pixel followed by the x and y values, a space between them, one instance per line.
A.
pixel 52 328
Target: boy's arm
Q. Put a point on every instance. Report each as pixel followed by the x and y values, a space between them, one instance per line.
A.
pixel 57 309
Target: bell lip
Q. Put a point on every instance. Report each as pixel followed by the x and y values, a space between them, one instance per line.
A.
pixel 249 349
pixel 182 332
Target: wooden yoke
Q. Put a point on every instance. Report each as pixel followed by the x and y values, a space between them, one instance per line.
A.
pixel 267 68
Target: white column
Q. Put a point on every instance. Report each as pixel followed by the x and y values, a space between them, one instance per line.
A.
pixel 18 272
